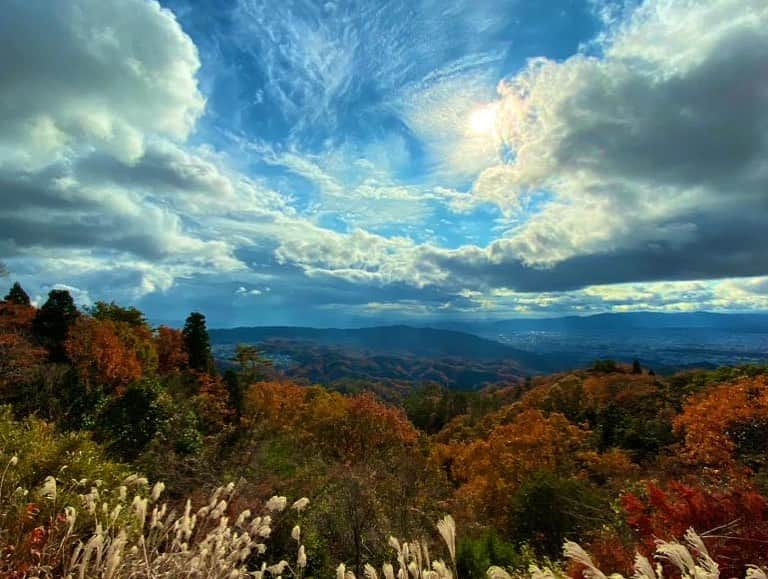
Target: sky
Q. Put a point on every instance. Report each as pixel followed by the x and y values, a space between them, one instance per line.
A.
pixel 343 162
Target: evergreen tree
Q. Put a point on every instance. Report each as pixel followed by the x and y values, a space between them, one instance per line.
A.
pixel 636 368
pixel 198 343
pixel 53 321
pixel 17 296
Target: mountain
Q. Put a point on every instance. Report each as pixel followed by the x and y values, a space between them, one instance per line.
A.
pixel 428 343
pixel 618 321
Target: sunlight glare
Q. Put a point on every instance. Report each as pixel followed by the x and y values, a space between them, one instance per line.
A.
pixel 482 120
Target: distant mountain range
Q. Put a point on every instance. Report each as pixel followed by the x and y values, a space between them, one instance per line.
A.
pixel 429 343
pixel 619 321
pixel 664 342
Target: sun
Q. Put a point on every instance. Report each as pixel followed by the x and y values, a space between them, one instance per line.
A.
pixel 482 120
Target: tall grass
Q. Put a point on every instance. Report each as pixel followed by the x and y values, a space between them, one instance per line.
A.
pixel 129 532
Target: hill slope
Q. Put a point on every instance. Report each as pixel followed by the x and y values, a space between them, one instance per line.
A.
pixel 399 340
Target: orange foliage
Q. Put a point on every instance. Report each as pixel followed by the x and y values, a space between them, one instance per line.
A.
pixel 490 470
pixel 140 341
pixel 171 353
pixel 18 359
pixel 346 428
pixel 612 467
pixel 19 356
pixel 213 397
pixel 711 424
pixel 16 318
pixel 99 355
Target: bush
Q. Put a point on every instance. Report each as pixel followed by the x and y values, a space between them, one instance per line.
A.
pixel 547 509
pixel 475 556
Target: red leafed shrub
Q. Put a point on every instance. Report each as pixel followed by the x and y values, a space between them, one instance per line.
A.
pixel 733 522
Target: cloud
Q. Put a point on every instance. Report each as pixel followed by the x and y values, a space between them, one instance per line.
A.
pixel 92 72
pixel 654 153
pixel 439 109
pixel 630 175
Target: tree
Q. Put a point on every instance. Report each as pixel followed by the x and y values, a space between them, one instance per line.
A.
pixel 197 343
pixel 101 358
pixel 17 295
pixel 129 422
pixel 111 311
pixel 171 351
pixel 636 367
pixel 732 521
pixel 726 428
pixel 547 509
pixel 53 321
pixel 488 471
pixel 252 368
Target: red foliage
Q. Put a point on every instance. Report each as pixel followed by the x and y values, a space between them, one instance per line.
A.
pixel 733 522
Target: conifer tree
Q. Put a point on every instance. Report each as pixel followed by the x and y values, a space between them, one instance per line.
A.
pixel 52 323
pixel 198 343
pixel 17 296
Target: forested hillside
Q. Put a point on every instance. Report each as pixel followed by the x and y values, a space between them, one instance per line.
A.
pixel 99 406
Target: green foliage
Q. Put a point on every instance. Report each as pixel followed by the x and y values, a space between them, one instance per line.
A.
pixel 252 367
pixel 475 555
pixel 53 321
pixel 129 422
pixel 432 407
pixel 546 510
pixel 16 295
pixel 198 343
pixel 43 451
pixel 111 311
pixel 751 441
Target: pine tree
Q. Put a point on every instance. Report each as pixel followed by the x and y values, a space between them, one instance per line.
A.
pixel 198 343
pixel 17 295
pixel 53 321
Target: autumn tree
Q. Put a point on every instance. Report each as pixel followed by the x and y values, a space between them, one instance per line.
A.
pixel 198 343
pixel 488 471
pixel 16 295
pixel 132 329
pixel 252 367
pixel 211 400
pixel 100 356
pixel 171 351
pixel 19 361
pixel 732 521
pixel 53 321
pixel 725 429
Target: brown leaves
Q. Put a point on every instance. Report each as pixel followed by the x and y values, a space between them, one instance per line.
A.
pixel 709 424
pixel 491 469
pixel 171 354
pixel 100 356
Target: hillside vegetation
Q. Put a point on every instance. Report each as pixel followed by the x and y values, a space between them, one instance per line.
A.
pixel 125 453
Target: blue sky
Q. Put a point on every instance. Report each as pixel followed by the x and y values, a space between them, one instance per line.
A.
pixel 357 162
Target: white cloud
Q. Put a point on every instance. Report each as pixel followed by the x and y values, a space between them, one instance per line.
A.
pixel 92 72
pixel 440 110
pixel 657 145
